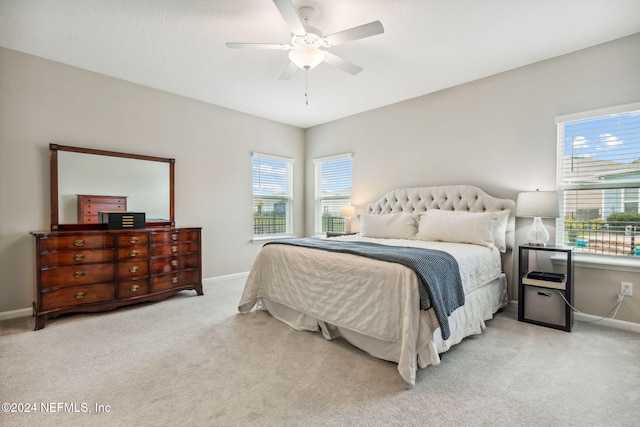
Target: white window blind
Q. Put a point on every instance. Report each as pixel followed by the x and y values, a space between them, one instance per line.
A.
pixel 599 181
pixel 333 190
pixel 272 195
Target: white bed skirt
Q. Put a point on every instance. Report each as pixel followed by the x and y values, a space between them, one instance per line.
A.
pixel 480 305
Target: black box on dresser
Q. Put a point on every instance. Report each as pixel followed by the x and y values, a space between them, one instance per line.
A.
pixel 122 220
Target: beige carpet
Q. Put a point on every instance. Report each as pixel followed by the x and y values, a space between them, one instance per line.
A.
pixel 193 361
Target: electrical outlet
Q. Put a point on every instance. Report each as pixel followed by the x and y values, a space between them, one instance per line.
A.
pixel 626 289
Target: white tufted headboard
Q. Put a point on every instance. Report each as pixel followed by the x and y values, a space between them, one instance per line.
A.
pixel 449 197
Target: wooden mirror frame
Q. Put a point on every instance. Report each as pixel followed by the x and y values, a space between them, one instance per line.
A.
pixel 53 151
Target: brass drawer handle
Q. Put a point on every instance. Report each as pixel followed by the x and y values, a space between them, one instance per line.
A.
pixel 174 280
pixel 78 257
pixel 78 243
pixel 79 274
pixel 79 295
pixel 134 239
pixel 134 253
pixel 134 269
pixel 174 249
pixel 174 236
pixel 174 263
pixel 134 288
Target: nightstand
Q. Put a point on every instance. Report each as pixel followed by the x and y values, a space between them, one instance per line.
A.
pixel 338 233
pixel 544 296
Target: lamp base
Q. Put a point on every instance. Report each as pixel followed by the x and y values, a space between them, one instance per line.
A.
pixel 537 235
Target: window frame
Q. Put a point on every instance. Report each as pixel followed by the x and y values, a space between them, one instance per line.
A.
pixel 319 198
pixel 287 163
pixel 594 194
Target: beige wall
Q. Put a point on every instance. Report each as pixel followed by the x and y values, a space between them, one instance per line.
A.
pixel 497 133
pixel 43 102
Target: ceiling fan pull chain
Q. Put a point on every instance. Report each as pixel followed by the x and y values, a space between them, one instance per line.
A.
pixel 306 87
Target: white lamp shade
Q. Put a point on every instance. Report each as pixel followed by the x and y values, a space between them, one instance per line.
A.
pixel 541 204
pixel 306 57
pixel 348 211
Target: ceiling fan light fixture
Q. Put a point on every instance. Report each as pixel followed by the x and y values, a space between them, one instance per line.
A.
pixel 306 57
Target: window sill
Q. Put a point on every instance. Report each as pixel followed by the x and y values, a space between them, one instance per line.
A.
pixel 603 262
pixel 274 237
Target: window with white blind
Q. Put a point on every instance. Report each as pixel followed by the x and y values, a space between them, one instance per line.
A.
pixel 333 191
pixel 272 195
pixel 599 181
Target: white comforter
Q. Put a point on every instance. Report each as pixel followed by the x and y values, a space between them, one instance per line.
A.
pixel 373 298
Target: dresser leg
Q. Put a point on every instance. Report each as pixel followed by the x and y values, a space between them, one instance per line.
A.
pixel 41 320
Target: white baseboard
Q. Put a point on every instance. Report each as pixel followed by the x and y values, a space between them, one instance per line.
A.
pixel 580 317
pixel 22 312
pixel 235 276
pixel 612 323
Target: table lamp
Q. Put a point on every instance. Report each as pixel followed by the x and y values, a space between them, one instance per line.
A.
pixel 347 212
pixel 537 204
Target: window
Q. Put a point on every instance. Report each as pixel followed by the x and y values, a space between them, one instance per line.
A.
pixel 599 181
pixel 272 195
pixel 333 190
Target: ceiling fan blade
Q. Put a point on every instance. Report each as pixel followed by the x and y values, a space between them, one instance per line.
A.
pixel 290 15
pixel 355 33
pixel 341 63
pixel 274 46
pixel 289 71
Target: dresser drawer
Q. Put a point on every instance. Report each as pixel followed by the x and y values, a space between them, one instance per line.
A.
pixel 94 208
pixel 175 280
pixel 181 235
pixel 52 259
pixel 90 219
pixel 77 295
pixel 134 252
pixel 174 263
pixel 126 240
pixel 73 275
pixel 133 288
pixel 129 269
pixel 110 200
pixel 175 248
pixel 79 241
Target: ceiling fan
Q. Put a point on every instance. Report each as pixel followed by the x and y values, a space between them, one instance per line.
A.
pixel 308 46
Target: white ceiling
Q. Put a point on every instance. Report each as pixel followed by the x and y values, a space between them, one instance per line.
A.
pixel 428 45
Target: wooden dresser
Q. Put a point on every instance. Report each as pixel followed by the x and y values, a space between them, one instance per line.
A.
pixel 97 270
pixel 89 206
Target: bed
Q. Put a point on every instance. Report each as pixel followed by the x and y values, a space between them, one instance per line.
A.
pixel 378 305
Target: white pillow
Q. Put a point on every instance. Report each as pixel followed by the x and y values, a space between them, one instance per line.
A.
pixel 388 226
pixel 499 229
pixel 475 229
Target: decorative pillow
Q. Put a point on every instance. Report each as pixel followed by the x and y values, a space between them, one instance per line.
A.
pixel 476 229
pixel 388 226
pixel 499 229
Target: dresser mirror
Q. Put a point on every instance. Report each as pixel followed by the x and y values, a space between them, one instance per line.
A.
pixel 146 182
